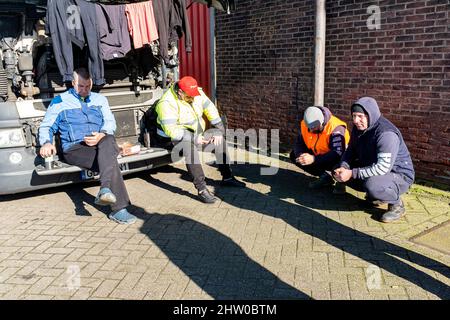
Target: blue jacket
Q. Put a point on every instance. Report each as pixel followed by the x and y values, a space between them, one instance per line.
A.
pixel 379 149
pixel 74 118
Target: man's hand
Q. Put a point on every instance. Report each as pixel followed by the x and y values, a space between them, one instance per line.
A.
pixel 199 140
pixel 342 174
pixel 216 140
pixel 306 159
pixel 47 150
pixel 94 139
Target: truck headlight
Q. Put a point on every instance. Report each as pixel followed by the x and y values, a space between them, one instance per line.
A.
pixel 12 138
pixel 15 158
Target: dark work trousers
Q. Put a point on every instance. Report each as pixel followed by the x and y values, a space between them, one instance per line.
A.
pixel 386 188
pixel 313 169
pixel 102 158
pixel 190 151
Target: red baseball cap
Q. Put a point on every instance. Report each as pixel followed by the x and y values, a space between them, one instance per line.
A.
pixel 189 86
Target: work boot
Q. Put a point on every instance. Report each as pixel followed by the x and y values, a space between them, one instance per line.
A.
pixel 122 216
pixel 206 196
pixel 105 197
pixel 373 203
pixel 395 212
pixel 232 182
pixel 324 180
pixel 368 203
pixel 339 188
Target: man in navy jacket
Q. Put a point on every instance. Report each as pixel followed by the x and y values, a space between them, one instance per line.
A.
pixel 377 160
pixel 86 126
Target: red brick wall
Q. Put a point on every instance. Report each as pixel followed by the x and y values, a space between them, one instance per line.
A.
pixel 265 70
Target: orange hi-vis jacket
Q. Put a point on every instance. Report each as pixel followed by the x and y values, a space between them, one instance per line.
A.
pixel 319 143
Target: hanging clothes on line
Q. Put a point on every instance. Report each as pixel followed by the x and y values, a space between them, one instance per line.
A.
pixel 106 29
pixel 179 24
pixel 172 22
pixel 162 11
pixel 141 23
pixel 88 18
pixel 67 21
pixel 113 31
pixel 64 27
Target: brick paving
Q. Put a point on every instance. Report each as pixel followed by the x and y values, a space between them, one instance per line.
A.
pixel 275 239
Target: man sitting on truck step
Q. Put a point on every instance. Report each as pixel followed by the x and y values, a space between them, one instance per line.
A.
pixel 86 126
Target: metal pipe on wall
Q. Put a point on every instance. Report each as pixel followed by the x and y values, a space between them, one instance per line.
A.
pixel 212 35
pixel 319 60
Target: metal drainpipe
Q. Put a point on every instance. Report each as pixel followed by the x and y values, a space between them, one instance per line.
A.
pixel 164 74
pixel 319 61
pixel 212 52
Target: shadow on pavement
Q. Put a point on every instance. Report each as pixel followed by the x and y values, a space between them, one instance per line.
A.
pixel 223 270
pixel 375 251
pixel 212 260
pixel 79 198
pixel 291 184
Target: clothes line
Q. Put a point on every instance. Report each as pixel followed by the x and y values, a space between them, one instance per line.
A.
pixel 111 31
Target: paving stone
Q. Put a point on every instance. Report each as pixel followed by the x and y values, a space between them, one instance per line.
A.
pixel 105 288
pixel 128 294
pixel 16 292
pixel 36 297
pixel 270 240
pixel 59 292
pixel 40 285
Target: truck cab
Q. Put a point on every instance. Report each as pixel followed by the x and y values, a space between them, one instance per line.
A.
pixel 30 78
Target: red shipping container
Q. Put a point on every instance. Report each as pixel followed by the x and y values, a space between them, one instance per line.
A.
pixel 198 62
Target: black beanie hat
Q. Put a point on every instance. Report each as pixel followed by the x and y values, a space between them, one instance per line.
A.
pixel 358 108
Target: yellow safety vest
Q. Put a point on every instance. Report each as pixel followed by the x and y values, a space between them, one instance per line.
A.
pixel 175 116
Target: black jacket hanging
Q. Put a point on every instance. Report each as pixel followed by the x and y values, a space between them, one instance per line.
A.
pixel 179 24
pixel 64 27
pixel 171 21
pixel 88 18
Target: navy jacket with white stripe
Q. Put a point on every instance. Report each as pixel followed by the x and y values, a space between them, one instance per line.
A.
pixel 379 149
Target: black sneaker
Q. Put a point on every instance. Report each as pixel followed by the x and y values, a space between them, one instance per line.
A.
pixel 395 212
pixel 367 204
pixel 339 188
pixel 373 203
pixel 324 180
pixel 206 196
pixel 232 182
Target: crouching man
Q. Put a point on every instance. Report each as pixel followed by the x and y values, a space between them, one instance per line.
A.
pixel 320 145
pixel 377 160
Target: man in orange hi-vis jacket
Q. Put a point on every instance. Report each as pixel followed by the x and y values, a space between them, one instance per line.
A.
pixel 320 145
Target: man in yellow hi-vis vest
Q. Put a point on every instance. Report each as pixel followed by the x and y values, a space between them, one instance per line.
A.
pixel 319 146
pixel 180 124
